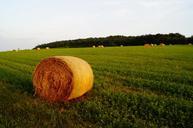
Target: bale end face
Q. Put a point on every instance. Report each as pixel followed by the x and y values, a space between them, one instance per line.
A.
pixel 61 78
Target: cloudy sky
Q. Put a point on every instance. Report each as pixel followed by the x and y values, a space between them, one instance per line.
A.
pixel 26 23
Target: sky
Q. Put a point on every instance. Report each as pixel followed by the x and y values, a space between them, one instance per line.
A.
pixel 27 23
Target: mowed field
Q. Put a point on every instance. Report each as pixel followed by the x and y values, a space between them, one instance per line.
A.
pixel 133 87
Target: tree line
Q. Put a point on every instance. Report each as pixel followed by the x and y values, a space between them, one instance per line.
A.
pixel 172 38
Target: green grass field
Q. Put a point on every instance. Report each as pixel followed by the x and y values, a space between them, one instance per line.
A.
pixel 133 87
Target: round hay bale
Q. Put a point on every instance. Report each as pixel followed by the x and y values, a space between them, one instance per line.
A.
pixel 62 78
pixel 47 48
pixel 93 46
pixel 162 44
pixel 147 45
pixel 38 49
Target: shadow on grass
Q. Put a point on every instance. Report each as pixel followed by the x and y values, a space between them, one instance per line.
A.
pixel 17 80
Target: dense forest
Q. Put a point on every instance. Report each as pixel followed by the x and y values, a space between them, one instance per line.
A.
pixel 172 38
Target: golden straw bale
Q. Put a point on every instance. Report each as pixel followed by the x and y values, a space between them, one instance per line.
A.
pixel 147 45
pixel 162 44
pixel 62 78
pixel 100 46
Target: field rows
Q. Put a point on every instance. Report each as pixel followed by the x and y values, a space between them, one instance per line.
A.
pixel 134 87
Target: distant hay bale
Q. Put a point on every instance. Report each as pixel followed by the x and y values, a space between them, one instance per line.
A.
pixel 47 48
pixel 62 78
pixel 121 45
pixel 100 46
pixel 147 45
pixel 38 49
pixel 93 46
pixel 152 45
pixel 190 44
pixel 162 44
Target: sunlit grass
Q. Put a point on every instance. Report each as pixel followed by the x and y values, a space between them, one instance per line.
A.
pixel 133 87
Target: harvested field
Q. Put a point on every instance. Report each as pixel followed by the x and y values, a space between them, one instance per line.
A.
pixel 133 87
